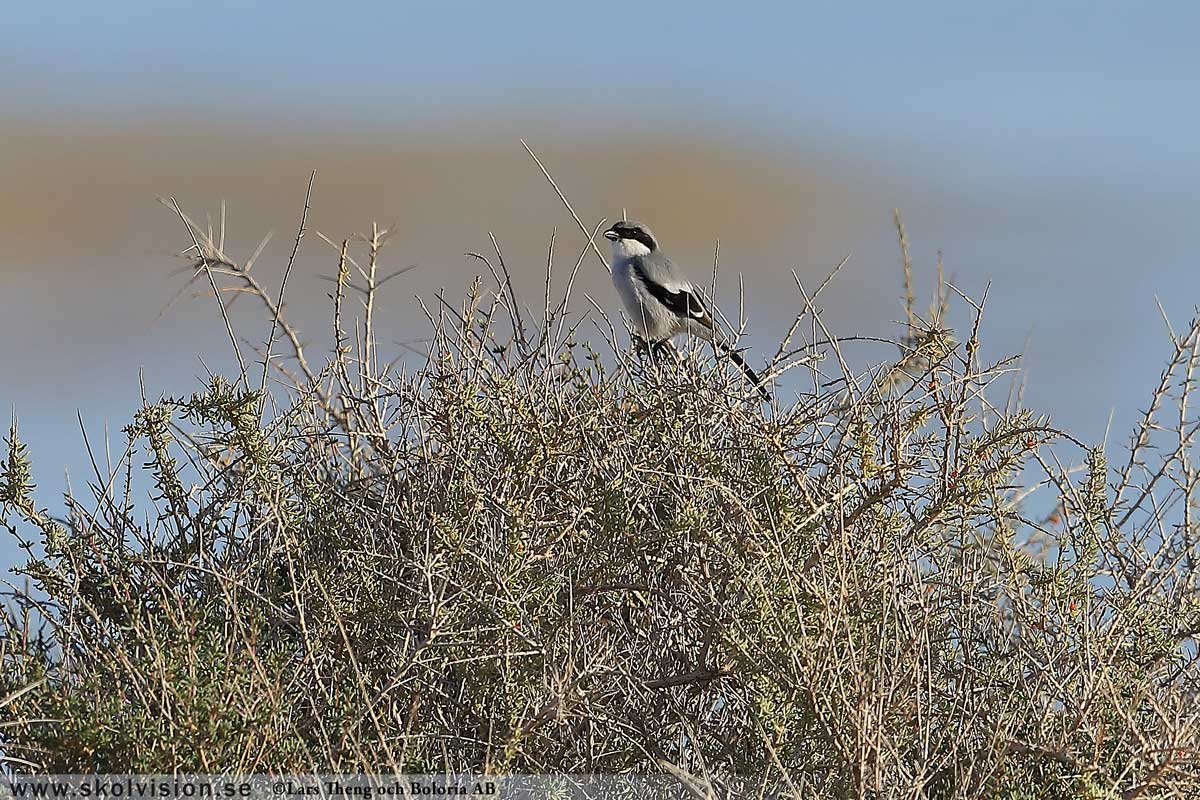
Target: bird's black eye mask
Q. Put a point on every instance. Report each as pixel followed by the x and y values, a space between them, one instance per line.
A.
pixel 636 234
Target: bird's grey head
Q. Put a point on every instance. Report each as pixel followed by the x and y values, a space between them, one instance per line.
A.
pixel 630 239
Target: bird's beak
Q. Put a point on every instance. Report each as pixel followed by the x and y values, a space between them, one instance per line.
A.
pixel 612 236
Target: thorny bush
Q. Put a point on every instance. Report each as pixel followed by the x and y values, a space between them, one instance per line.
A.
pixel 523 553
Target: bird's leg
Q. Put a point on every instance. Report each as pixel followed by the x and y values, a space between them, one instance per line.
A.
pixel 656 350
pixel 660 355
pixel 664 351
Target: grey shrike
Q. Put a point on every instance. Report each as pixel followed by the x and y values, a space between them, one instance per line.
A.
pixel 659 299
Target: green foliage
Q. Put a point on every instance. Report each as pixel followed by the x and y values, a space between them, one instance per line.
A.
pixel 16 485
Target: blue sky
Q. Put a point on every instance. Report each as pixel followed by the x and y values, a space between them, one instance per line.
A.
pixel 1086 76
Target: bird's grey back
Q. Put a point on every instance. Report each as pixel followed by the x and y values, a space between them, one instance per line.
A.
pixel 660 269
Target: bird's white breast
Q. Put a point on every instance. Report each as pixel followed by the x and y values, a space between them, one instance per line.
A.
pixel 628 248
pixel 626 281
pixel 650 318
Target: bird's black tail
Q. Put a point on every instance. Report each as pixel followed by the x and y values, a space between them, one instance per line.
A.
pixel 736 358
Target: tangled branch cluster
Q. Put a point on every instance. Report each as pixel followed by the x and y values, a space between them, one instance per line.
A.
pixel 525 553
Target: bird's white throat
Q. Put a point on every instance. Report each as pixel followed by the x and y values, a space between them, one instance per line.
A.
pixel 623 249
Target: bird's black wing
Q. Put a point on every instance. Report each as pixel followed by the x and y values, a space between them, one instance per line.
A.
pixel 685 303
pixel 681 302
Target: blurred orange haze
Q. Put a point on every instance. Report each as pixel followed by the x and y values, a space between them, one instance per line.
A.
pixel 86 241
pixel 90 190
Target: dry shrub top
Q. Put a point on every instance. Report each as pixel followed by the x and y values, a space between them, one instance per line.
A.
pixel 523 552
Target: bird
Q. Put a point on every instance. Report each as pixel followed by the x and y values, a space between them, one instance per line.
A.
pixel 659 299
